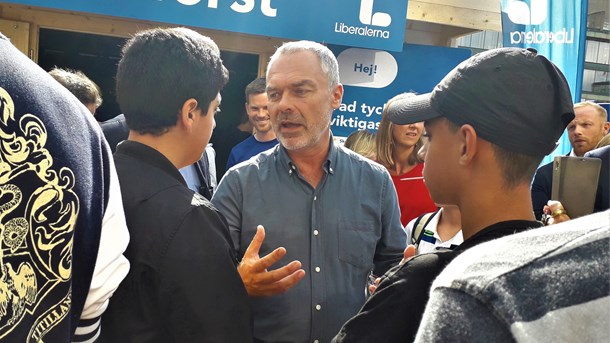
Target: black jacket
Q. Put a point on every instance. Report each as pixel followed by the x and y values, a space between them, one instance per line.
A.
pixel 394 311
pixel 183 285
pixel 602 199
pixel 115 131
pixel 542 187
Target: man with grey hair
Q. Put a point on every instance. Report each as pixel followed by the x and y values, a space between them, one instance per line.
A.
pixel 334 212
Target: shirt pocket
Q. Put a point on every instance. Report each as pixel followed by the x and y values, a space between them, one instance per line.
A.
pixel 357 243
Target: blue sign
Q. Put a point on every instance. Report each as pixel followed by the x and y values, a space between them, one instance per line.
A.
pixel 372 77
pixel 557 30
pixel 376 24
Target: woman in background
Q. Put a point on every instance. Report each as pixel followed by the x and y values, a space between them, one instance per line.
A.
pixel 397 148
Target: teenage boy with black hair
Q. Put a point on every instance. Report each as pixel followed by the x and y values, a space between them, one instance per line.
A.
pixel 183 285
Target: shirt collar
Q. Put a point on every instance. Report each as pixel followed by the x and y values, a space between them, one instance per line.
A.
pixel 151 156
pixel 329 165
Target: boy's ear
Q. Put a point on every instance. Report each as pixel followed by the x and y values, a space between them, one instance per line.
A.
pixel 187 112
pixel 468 144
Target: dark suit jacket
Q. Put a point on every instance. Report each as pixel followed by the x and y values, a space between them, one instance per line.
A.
pixel 115 130
pixel 602 199
pixel 203 173
pixel 542 188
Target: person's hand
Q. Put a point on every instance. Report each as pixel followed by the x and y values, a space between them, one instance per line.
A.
pixel 253 269
pixel 554 213
pixel 409 252
pixel 374 284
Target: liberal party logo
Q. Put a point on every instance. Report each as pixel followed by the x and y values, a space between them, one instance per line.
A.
pixel 536 13
pixel 520 13
pixel 367 17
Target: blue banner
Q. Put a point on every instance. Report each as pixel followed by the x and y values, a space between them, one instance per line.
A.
pixel 556 29
pixel 375 24
pixel 372 77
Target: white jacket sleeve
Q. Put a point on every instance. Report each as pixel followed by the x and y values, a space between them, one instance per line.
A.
pixel 111 266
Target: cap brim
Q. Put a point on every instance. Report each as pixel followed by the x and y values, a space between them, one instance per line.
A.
pixel 412 109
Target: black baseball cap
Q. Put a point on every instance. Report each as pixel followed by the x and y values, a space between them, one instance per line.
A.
pixel 513 98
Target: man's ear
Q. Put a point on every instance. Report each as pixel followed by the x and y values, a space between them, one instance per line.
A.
pixel 468 144
pixel 337 96
pixel 606 127
pixel 187 113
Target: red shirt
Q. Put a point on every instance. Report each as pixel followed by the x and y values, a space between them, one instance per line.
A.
pixel 413 197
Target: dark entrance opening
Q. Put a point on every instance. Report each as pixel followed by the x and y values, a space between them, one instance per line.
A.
pixel 243 68
pixel 95 55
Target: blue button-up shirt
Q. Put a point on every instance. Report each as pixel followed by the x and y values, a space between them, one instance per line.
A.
pixel 340 231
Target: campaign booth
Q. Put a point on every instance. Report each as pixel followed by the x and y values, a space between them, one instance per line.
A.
pixel 373 24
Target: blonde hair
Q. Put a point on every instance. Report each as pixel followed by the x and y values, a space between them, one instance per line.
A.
pixel 603 142
pixel 362 142
pixel 385 140
pixel 599 109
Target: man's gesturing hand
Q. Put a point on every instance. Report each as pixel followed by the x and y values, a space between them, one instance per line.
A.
pixel 254 274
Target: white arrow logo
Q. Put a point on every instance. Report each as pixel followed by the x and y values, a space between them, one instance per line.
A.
pixel 519 13
pixel 367 16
